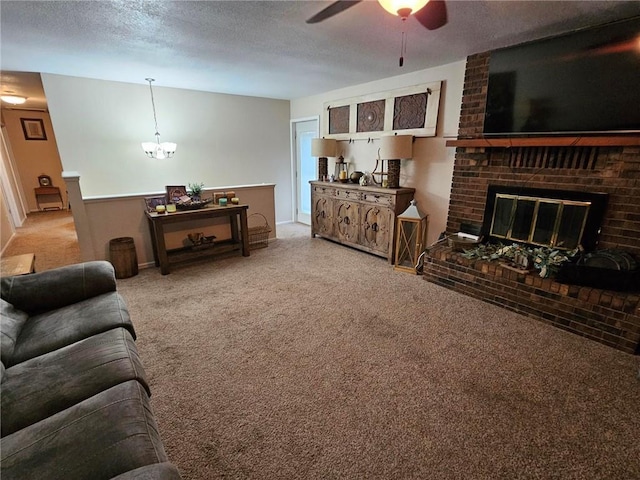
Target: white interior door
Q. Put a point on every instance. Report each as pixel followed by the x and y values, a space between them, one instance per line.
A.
pixel 305 167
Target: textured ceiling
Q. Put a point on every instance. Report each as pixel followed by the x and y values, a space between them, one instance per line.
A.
pixel 264 48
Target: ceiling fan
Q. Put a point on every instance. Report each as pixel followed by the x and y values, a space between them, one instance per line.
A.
pixel 432 14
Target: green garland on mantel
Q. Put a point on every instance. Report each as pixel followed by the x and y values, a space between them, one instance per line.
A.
pixel 547 260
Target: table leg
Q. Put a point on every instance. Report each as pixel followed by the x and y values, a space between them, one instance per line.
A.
pixel 233 224
pixel 244 232
pixel 163 258
pixel 154 246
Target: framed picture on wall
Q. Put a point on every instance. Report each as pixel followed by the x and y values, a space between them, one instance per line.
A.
pixel 33 129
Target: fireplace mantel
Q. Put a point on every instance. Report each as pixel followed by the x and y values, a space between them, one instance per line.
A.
pixel 506 142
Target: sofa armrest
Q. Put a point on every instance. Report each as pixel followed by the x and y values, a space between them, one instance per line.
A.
pixel 56 288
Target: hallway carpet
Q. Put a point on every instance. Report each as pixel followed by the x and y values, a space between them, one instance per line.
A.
pixel 51 236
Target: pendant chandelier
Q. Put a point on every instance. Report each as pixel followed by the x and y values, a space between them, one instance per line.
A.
pixel 157 149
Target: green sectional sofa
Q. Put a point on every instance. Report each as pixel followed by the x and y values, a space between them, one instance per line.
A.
pixel 74 396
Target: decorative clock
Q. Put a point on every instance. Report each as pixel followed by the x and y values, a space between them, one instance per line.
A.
pixel 44 180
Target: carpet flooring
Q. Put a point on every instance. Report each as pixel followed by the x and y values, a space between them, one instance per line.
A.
pixel 310 360
pixel 51 236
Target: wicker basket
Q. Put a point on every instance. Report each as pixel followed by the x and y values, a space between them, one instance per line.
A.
pixel 258 235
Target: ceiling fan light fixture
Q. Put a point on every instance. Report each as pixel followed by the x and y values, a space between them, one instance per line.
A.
pixel 402 8
pixel 13 99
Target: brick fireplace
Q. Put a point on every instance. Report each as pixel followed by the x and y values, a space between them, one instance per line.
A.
pixel 604 164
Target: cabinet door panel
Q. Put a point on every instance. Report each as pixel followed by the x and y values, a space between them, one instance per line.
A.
pixel 322 216
pixel 376 227
pixel 347 221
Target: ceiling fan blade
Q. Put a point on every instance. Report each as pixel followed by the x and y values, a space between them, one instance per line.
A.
pixel 433 15
pixel 333 9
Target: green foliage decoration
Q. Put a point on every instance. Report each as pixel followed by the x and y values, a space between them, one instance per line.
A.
pixel 547 260
pixel 195 189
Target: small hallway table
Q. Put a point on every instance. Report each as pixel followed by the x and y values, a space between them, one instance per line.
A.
pixel 239 240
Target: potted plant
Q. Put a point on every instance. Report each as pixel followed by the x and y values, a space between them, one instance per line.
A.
pixel 195 190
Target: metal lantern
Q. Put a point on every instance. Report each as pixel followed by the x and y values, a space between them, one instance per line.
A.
pixel 411 238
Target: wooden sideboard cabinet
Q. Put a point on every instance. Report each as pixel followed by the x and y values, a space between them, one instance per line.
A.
pixel 361 217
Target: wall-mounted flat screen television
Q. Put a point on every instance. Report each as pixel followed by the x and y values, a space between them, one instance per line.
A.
pixel 587 81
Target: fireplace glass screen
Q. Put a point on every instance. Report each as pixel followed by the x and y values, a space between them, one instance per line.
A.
pixel 539 221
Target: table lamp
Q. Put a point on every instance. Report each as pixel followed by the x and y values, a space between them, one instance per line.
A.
pixel 393 148
pixel 323 148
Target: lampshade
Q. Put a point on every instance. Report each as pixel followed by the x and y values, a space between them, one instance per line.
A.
pixel 395 6
pixel 396 146
pixel 13 99
pixel 323 147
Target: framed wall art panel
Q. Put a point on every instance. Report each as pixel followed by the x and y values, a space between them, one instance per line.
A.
pixel 405 111
pixel 339 119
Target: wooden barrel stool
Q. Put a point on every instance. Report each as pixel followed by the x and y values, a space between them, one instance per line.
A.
pixel 123 257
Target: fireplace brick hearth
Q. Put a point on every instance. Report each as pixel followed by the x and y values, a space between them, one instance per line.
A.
pixel 604 165
pixel 612 318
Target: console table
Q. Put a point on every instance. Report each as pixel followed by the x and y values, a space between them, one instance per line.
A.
pixel 237 215
pixel 48 193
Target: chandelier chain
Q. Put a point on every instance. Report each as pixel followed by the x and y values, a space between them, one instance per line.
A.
pixel 153 105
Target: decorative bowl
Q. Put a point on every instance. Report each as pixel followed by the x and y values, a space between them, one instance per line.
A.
pixel 193 205
pixel 355 176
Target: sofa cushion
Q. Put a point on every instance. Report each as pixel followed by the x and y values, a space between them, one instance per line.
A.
pixel 11 322
pixel 47 384
pixel 55 288
pixel 55 329
pixel 99 438
pixel 157 471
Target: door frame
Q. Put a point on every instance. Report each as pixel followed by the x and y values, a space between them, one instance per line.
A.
pixel 294 160
pixel 13 193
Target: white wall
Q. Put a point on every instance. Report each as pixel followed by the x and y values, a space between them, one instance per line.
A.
pixel 431 170
pixel 222 139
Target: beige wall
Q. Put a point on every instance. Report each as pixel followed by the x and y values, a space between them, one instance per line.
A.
pixel 222 139
pixel 33 157
pixel 431 170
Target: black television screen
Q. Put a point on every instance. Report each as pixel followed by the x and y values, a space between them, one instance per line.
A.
pixel 587 81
